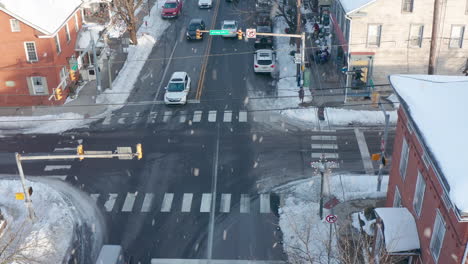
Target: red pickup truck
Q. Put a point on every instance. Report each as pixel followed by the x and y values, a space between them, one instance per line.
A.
pixel 172 8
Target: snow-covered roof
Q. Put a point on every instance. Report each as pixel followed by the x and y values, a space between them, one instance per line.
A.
pixel 399 229
pixel 84 37
pixel 46 16
pixel 437 105
pixel 354 5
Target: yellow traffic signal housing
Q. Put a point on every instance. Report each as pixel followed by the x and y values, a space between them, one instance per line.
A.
pixel 198 34
pixel 58 94
pixel 139 151
pixel 80 151
pixel 73 75
pixel 239 34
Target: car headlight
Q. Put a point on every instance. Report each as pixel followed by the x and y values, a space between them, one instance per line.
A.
pixel 175 13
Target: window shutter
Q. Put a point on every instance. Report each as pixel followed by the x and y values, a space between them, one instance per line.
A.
pixel 44 83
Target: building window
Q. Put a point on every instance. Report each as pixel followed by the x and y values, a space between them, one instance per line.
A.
pixel 407 6
pixel 31 53
pixel 38 85
pixel 15 25
pixel 63 75
pixel 416 36
pixel 456 36
pixel 419 194
pixel 397 198
pixel 404 159
pixel 77 26
pixel 57 43
pixel 438 234
pixel 67 31
pixel 373 35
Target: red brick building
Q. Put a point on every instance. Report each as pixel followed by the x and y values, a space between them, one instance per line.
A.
pixel 37 48
pixel 429 174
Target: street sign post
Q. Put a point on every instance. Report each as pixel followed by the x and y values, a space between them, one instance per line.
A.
pixel 219 32
pixel 251 33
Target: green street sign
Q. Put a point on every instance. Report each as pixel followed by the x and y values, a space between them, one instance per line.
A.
pixel 74 67
pixel 219 32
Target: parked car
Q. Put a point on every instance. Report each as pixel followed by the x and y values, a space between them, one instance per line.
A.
pixel 171 8
pixel 177 89
pixel 264 61
pixel 195 24
pixel 205 3
pixel 230 25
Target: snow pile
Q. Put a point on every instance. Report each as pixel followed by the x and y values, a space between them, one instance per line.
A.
pixel 49 239
pixel 435 103
pixel 368 224
pixel 304 234
pixel 353 5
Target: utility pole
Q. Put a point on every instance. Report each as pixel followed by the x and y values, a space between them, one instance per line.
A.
pixel 298 43
pixel 383 146
pixel 27 198
pixel 434 37
pixel 96 67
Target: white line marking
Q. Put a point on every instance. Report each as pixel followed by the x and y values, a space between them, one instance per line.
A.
pixel 107 120
pixel 227 116
pixel 95 196
pixel 135 119
pixel 242 116
pixel 109 204
pixel 128 203
pixel 61 177
pixel 121 120
pixel 245 203
pixel 225 204
pixel 212 116
pixel 187 202
pixel 147 202
pixel 153 116
pixel 205 203
pixel 167 116
pixel 167 202
pixel 264 203
pixel 197 115
pixel 327 155
pixel 57 167
pixel 183 117
pixel 64 149
pixel 366 160
pixel 323 137
pixel 324 146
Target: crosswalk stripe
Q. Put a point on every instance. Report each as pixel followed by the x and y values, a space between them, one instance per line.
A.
pixel 167 116
pixel 183 117
pixel 57 167
pixel 153 116
pixel 326 155
pixel 135 119
pixel 128 203
pixel 95 196
pixel 323 137
pixel 212 116
pixel 274 118
pixel 205 203
pixel 242 116
pixel 167 202
pixel 109 204
pixel 264 203
pixel 227 116
pixel 64 149
pixel 245 203
pixel 121 120
pixel 225 204
pixel 197 115
pixel 107 120
pixel 187 202
pixel 147 202
pixel 324 146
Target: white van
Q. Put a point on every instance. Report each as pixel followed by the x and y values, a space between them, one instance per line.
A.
pixel 110 254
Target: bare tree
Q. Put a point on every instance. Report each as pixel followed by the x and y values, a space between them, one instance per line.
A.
pixel 288 10
pixel 126 10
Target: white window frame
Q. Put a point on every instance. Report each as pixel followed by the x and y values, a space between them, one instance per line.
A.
pixel 15 25
pixel 404 158
pixel 456 43
pixel 34 86
pixel 63 74
pixel 438 235
pixel 67 33
pixel 397 198
pixel 27 52
pixel 378 36
pixel 419 38
pixel 57 43
pixel 407 3
pixel 419 191
pixel 77 25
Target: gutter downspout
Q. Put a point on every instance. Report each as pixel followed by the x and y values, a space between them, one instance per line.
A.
pixel 465 255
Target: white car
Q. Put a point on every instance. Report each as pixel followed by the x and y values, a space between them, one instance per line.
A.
pixel 177 89
pixel 230 25
pixel 205 3
pixel 264 61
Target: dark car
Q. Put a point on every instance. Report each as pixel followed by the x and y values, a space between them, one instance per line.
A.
pixel 263 22
pixel 195 24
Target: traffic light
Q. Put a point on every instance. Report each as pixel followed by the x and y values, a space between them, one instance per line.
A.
pixel 58 94
pixel 139 151
pixel 239 34
pixel 73 75
pixel 198 34
pixel 80 151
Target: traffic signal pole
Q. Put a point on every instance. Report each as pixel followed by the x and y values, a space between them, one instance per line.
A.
pixel 383 145
pixel 80 155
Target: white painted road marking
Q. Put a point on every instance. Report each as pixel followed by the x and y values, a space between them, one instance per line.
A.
pixel 205 203
pixel 153 116
pixel 183 117
pixel 227 116
pixel 109 204
pixel 135 119
pixel 167 202
pixel 187 202
pixel 225 204
pixel 324 146
pixel 212 116
pixel 57 167
pixel 167 116
pixel 245 203
pixel 95 196
pixel 366 160
pixel 197 115
pixel 264 203
pixel 121 120
pixel 64 149
pixel 327 155
pixel 147 202
pixel 107 120
pixel 323 137
pixel 61 177
pixel 242 116
pixel 128 203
